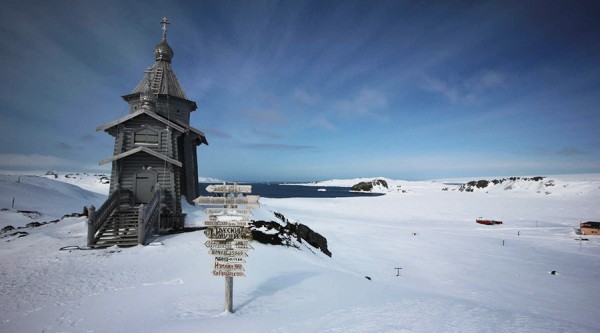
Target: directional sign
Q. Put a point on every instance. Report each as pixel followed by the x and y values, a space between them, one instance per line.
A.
pixel 220 244
pixel 230 266
pixel 228 211
pixel 229 188
pixel 230 259
pixel 228 233
pixel 228 253
pixel 241 245
pixel 249 200
pixel 240 223
pixel 227 273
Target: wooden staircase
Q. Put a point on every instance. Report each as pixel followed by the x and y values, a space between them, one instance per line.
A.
pixel 121 229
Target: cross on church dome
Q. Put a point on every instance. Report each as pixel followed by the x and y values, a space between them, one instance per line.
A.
pixel 164 23
pixel 163 51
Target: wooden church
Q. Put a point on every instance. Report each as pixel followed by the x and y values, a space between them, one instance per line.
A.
pixel 154 164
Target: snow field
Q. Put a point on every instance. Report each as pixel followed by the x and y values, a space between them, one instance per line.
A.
pixel 456 276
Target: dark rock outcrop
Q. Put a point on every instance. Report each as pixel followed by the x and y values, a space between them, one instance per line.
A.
pixel 482 183
pixel 368 186
pixel 7 229
pixel 274 233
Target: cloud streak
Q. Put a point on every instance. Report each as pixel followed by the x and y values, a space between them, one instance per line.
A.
pixel 279 147
pixel 468 89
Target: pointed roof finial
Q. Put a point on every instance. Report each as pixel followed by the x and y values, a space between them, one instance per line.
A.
pixel 164 23
pixel 163 51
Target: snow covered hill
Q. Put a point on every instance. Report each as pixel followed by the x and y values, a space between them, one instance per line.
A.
pixel 43 199
pixel 547 185
pixel 403 262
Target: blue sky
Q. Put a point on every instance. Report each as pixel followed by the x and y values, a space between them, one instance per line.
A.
pixel 314 90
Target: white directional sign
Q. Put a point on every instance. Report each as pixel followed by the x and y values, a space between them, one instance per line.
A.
pixel 230 259
pixel 220 244
pixel 228 269
pixel 230 266
pixel 228 253
pixel 228 233
pixel 249 200
pixel 240 223
pixel 234 188
pixel 226 273
pixel 228 211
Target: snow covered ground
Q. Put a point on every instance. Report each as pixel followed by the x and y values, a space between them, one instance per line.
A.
pixel 431 268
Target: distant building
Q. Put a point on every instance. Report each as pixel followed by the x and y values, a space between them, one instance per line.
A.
pixel 590 228
pixel 154 161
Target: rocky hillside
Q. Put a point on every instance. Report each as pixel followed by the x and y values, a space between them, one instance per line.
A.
pixel 376 184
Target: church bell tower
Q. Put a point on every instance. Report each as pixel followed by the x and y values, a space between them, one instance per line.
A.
pixel 155 146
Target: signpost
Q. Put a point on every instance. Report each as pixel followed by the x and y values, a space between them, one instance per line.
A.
pixel 233 188
pixel 228 211
pixel 232 223
pixel 228 232
pixel 219 244
pixel 228 252
pixel 249 201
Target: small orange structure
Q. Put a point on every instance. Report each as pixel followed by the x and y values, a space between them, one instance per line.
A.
pixel 590 228
pixel 481 220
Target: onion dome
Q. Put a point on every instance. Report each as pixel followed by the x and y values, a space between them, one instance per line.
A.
pixel 163 51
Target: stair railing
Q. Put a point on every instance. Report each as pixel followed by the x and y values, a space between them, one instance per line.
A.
pixel 149 215
pixel 97 218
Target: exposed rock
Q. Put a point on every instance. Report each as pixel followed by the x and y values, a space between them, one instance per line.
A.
pixel 274 233
pixel 7 229
pixel 315 239
pixel 368 186
pixel 32 214
pixel 482 183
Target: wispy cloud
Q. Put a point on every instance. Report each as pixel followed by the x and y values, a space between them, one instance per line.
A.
pixel 266 116
pixel 266 133
pixel 89 137
pixel 324 123
pixel 278 146
pixel 368 102
pixel 466 89
pixel 39 161
pixel 304 97
pixel 563 151
pixel 210 132
pixel 570 151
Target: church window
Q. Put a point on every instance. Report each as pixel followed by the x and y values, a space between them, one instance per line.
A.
pixel 145 136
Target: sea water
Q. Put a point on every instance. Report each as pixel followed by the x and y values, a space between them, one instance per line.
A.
pixel 278 190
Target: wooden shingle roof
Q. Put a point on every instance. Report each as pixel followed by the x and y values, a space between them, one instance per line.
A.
pixel 167 85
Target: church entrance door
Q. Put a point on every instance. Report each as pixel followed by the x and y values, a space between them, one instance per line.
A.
pixel 144 185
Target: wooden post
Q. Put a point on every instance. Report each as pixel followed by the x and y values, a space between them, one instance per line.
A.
pixel 158 192
pixel 229 294
pixel 141 225
pixel 91 229
pixel 229 279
